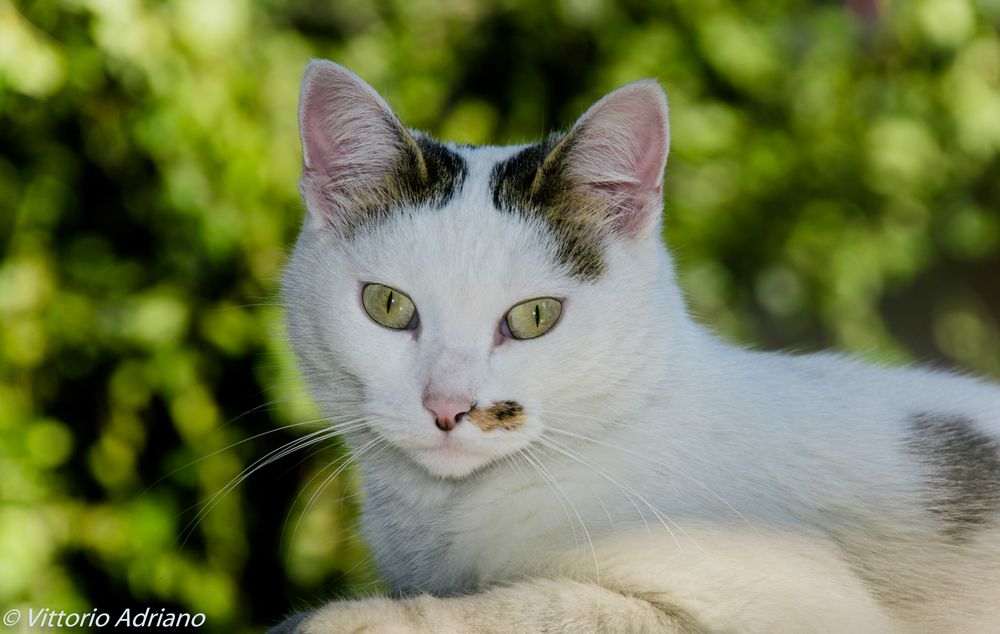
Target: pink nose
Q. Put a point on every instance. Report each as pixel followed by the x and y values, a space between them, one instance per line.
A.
pixel 447 411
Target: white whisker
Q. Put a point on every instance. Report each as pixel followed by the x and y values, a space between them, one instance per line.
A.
pixel 347 461
pixel 227 448
pixel 569 453
pixel 675 472
pixel 523 453
pixel 545 471
pixel 272 456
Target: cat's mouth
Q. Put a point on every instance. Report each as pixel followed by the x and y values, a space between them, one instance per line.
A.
pixel 477 440
pixel 450 458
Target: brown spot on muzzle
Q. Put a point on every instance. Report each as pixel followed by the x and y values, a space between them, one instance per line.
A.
pixel 503 414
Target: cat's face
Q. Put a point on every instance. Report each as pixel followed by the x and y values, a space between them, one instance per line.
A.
pixel 457 300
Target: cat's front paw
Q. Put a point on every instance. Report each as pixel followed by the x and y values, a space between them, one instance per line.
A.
pixel 372 615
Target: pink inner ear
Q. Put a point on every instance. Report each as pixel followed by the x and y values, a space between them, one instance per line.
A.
pixel 620 150
pixel 350 137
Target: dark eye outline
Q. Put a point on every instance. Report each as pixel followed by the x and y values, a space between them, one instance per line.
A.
pixel 505 330
pixel 414 322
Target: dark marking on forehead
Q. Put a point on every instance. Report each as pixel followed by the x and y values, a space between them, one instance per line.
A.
pixel 503 414
pixel 427 173
pixel 445 171
pixel 963 470
pixel 534 183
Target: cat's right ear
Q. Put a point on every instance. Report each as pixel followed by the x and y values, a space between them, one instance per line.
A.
pixel 351 142
pixel 616 153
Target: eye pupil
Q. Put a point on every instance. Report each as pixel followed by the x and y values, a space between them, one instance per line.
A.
pixel 389 307
pixel 532 318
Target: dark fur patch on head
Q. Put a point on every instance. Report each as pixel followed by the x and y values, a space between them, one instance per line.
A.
pixel 444 174
pixel 428 173
pixel 533 183
pixel 964 470
pixel 504 414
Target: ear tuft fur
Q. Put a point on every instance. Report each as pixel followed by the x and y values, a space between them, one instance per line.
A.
pixel 618 150
pixel 352 142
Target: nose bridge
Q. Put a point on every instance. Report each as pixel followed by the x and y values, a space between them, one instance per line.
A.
pixel 452 372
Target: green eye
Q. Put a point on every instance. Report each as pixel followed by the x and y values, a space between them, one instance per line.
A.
pixel 388 307
pixel 532 318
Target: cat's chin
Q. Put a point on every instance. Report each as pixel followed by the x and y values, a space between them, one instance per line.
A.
pixel 448 461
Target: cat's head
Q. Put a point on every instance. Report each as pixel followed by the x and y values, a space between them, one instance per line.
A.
pixel 460 301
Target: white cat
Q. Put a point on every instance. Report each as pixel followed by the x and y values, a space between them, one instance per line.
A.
pixel 548 441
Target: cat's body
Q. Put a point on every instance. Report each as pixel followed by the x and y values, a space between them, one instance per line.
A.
pixel 639 475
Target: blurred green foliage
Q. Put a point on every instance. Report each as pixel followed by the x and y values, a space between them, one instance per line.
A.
pixel 833 181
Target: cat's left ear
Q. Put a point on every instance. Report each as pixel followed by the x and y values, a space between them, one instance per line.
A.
pixel 617 152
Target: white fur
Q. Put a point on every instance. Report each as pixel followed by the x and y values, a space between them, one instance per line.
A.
pixel 709 486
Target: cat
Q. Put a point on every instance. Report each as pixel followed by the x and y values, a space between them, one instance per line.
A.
pixel 548 442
